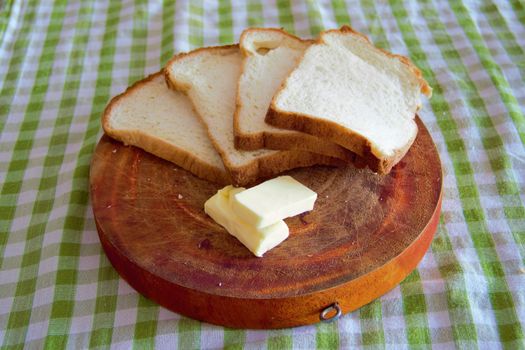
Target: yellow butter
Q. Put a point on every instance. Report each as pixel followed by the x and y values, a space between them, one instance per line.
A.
pixel 272 201
pixel 257 240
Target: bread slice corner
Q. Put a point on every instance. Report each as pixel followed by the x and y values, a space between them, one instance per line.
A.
pixel 162 122
pixel 349 91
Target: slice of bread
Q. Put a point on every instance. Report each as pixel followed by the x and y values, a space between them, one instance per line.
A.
pixel 269 55
pixel 150 116
pixel 359 96
pixel 209 77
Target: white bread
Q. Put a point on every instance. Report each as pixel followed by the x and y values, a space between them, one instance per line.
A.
pixel 269 55
pixel 209 78
pixel 150 116
pixel 355 94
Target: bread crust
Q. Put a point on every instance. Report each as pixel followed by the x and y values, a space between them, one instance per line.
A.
pixel 283 140
pixel 333 131
pixel 291 141
pixel 263 166
pixel 273 164
pixel 159 147
pixel 276 30
pixel 339 134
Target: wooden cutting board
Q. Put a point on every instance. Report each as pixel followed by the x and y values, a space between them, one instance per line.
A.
pixel 365 235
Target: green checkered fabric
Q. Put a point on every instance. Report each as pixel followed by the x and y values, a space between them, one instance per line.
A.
pixel 61 62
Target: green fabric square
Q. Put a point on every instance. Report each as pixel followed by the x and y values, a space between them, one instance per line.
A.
pixel 418 336
pixel 73 223
pixel 69 249
pixel 414 304
pixel 464 331
pixel 54 341
pixel 492 142
pixel 198 10
pixel 19 319
pixel 105 303
pixel 107 273
pixel 11 187
pixel 373 338
pixel 43 206
pixel 469 191
pixel 455 145
pixel 500 163
pixel 327 336
pixel 507 188
pixel 501 300
pixel 278 340
pixel 482 240
pixel 144 330
pixel 62 309
pixel 66 277
pixel 515 212
pixel 23 145
pixel 100 337
pixel 510 332
pixel 520 237
pixel 451 270
pixel 31 258
pixel 473 215
pixel 464 168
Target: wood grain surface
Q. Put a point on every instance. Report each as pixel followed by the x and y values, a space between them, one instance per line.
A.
pixel 366 233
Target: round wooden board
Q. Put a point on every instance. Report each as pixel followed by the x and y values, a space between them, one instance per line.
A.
pixel 365 235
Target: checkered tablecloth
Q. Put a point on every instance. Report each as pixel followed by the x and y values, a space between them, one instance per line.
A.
pixel 60 63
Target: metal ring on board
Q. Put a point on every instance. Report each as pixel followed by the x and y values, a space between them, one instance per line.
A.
pixel 334 308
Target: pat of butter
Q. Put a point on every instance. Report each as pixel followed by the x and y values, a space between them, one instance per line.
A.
pixel 257 240
pixel 273 200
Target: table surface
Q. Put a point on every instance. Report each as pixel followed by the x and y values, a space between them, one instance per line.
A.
pixel 61 62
